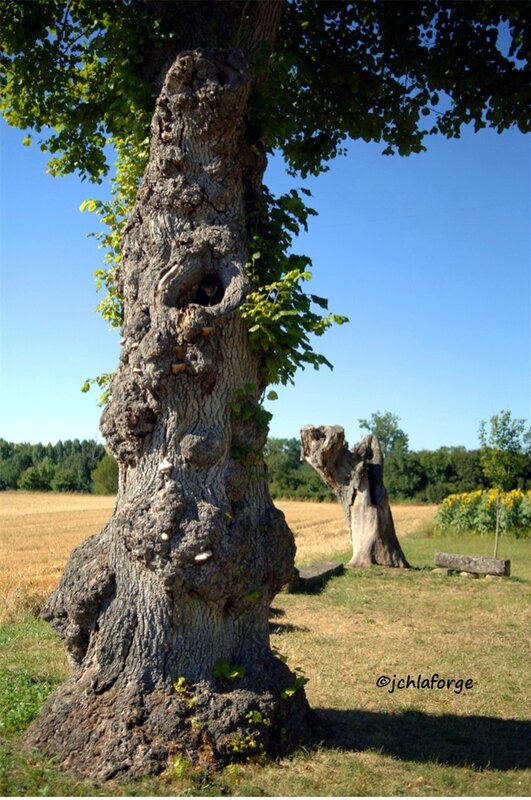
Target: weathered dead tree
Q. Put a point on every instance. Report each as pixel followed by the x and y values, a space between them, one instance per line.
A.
pixel 356 478
pixel 165 612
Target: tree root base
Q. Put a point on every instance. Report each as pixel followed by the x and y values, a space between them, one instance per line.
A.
pixel 123 733
pixel 365 563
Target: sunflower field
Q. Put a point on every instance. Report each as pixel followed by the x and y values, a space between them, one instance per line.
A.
pixel 476 511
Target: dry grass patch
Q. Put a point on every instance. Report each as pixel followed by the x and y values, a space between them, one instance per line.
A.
pixel 382 623
pixel 317 527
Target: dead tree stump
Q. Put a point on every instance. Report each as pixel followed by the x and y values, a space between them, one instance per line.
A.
pixel 356 478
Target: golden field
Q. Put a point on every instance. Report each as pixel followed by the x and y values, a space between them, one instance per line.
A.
pixel 38 530
pixel 321 531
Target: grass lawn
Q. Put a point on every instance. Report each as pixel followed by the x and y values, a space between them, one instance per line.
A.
pixel 364 625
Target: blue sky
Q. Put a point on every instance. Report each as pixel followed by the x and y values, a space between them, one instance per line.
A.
pixel 428 256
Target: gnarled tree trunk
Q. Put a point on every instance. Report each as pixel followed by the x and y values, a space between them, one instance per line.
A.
pixel 356 477
pixel 176 589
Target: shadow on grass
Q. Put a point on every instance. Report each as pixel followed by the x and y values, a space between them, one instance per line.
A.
pixel 287 627
pixel 479 742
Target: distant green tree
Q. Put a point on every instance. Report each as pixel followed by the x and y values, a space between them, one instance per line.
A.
pixel 6 449
pixel 16 460
pixel 9 474
pixel 282 455
pixel 83 460
pixel 503 457
pixel 59 452
pixel 403 477
pixel 283 462
pixel 38 453
pixel 61 467
pixel 385 427
pixel 467 469
pixel 105 476
pixel 65 479
pixel 311 486
pixel 289 478
pixel 449 470
pixel 77 465
pixel 38 478
pixel 503 446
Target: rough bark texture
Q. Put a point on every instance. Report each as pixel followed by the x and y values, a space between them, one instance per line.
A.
pixel 356 477
pixel 183 574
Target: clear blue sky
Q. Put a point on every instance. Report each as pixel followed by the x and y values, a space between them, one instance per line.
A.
pixel 428 256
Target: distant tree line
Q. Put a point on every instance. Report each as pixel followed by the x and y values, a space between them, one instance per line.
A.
pixel 423 475
pixel 503 462
pixel 69 466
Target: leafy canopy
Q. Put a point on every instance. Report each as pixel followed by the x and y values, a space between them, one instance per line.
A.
pixel 386 429
pixel 81 72
pixel 398 72
pixel 502 455
pixel 85 76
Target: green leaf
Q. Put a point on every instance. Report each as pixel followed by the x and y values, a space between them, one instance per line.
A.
pixel 289 692
pixel 225 671
pixel 322 302
pixel 180 685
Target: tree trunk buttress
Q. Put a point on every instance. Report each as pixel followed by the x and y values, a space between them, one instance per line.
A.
pixel 182 577
pixel 356 477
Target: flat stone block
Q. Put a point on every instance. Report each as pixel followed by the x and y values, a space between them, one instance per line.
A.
pixel 318 573
pixel 480 565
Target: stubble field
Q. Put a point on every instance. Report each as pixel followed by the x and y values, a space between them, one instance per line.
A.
pixel 38 530
pixel 364 625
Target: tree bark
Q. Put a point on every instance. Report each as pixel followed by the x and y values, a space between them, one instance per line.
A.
pixel 356 477
pixel 182 577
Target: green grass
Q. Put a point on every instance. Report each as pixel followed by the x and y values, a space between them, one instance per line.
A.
pixel 421 549
pixel 364 624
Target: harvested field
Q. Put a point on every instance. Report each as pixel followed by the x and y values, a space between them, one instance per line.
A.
pixel 38 530
pixel 321 531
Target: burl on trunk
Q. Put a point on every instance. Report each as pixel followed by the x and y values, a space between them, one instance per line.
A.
pixel 165 612
pixel 356 477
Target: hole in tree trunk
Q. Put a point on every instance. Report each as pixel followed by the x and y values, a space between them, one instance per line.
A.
pixel 208 292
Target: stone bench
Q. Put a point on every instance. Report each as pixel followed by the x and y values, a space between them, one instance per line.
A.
pixel 314 576
pixel 474 565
